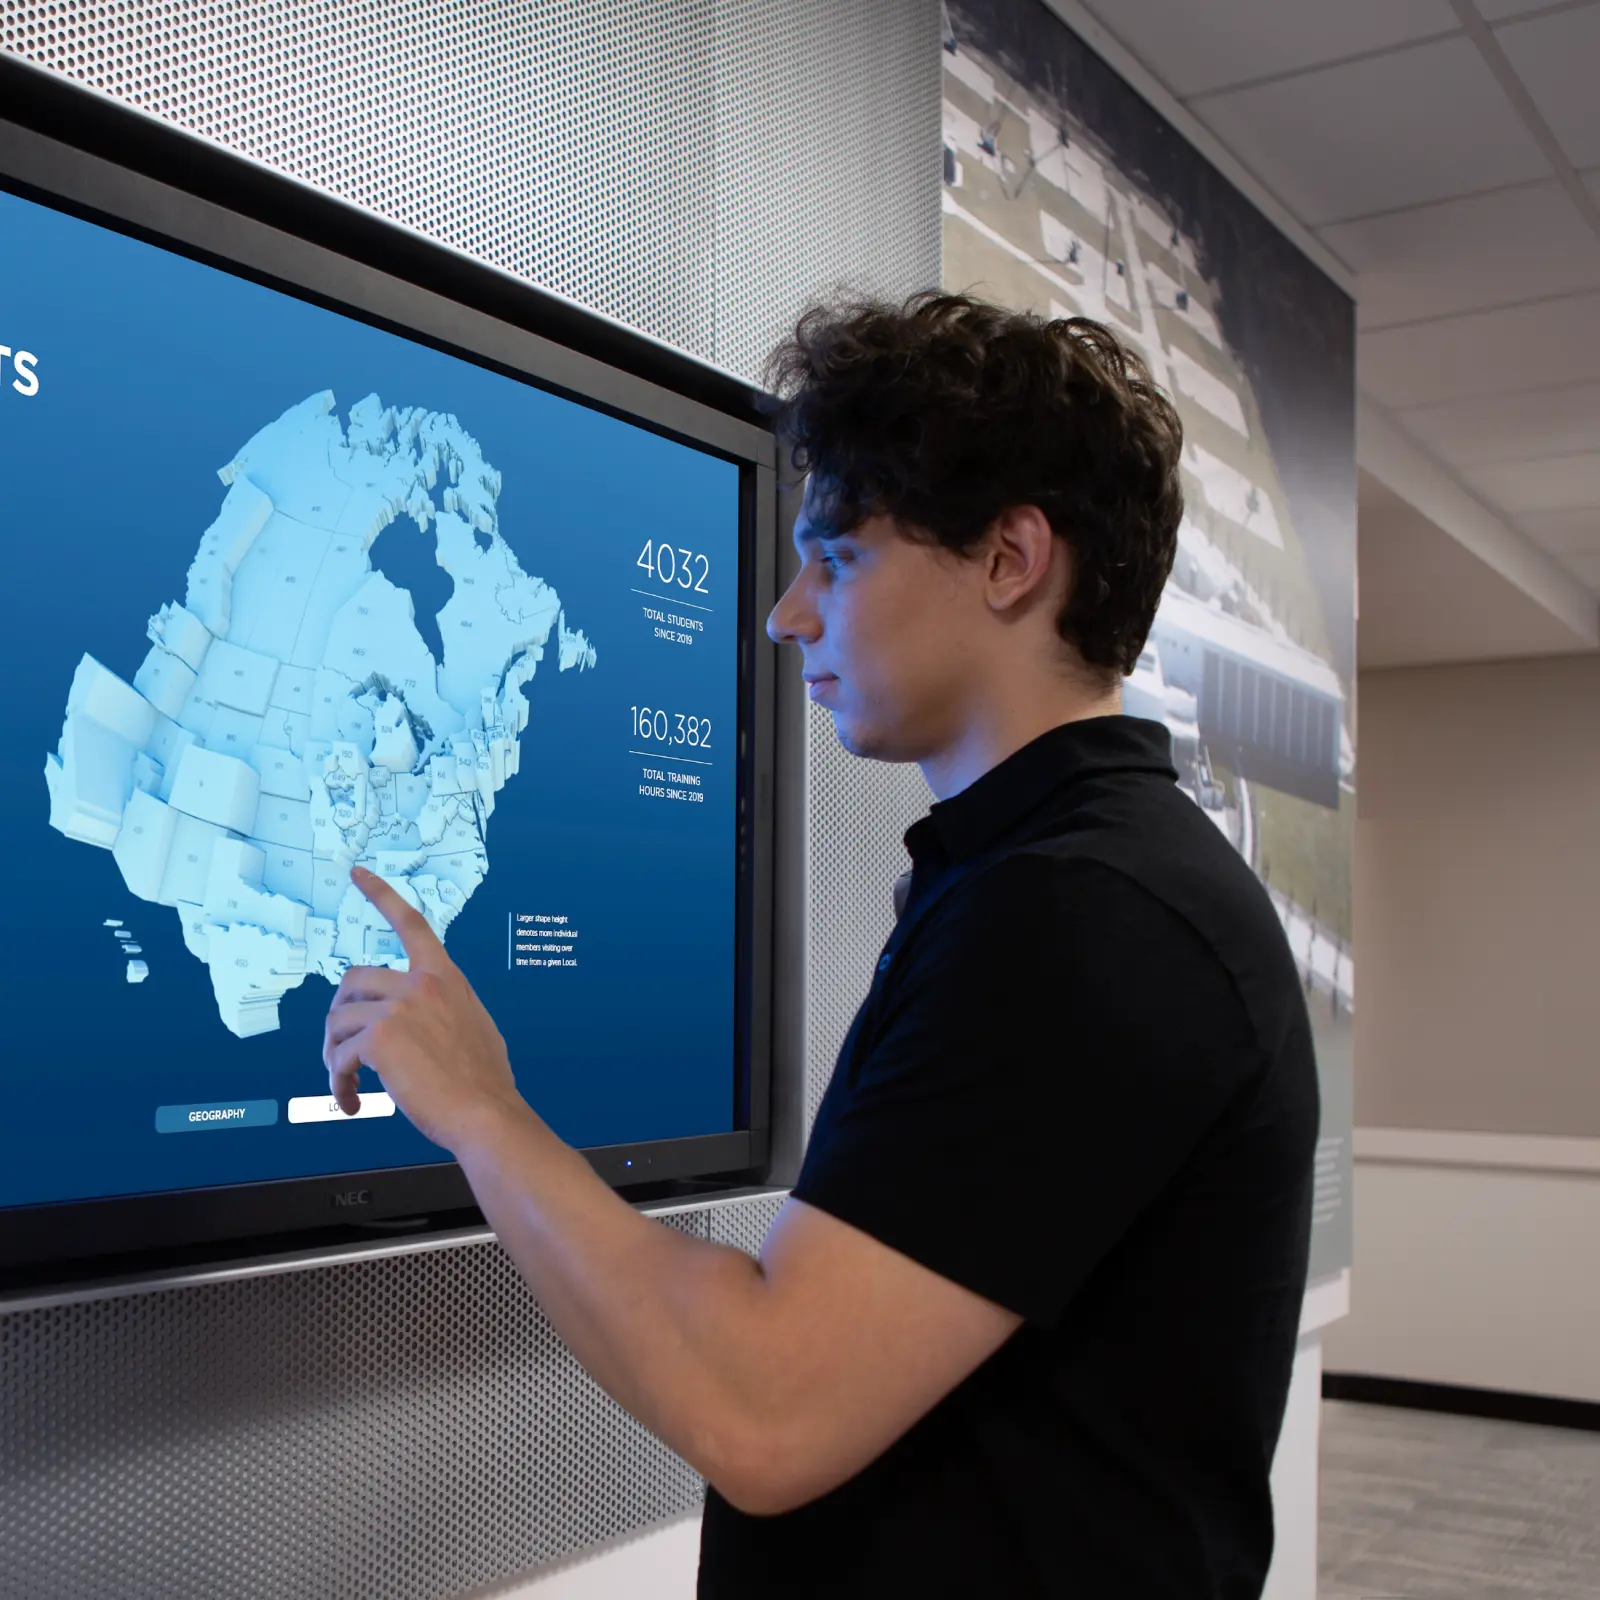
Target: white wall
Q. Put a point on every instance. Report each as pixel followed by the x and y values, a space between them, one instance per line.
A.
pixel 1477 898
pixel 1481 1275
pixel 1477 918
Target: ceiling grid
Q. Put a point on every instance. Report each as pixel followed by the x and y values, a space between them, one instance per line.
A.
pixel 1448 153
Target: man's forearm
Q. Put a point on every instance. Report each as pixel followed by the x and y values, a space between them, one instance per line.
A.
pixel 669 1325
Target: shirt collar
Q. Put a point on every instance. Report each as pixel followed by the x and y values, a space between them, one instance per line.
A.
pixel 1004 795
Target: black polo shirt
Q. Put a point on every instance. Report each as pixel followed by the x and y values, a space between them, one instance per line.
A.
pixel 1081 1085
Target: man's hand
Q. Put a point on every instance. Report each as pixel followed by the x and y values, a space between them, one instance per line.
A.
pixel 424 1032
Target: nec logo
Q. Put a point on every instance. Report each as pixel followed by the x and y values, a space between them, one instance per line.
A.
pixel 352 1197
pixel 25 363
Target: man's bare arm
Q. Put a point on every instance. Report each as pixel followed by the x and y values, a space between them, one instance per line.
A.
pixel 777 1379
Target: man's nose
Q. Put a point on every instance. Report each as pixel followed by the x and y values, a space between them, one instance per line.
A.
pixel 794 619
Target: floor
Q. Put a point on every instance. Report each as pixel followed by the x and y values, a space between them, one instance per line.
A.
pixel 1416 1504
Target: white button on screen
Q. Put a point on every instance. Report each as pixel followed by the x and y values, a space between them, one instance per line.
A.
pixel 324 1108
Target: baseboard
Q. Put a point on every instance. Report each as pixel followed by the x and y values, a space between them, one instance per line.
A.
pixel 1514 1152
pixel 1550 1411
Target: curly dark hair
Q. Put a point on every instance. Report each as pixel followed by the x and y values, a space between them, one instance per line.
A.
pixel 946 411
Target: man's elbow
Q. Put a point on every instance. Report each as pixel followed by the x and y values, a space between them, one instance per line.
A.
pixel 766 1493
pixel 770 1475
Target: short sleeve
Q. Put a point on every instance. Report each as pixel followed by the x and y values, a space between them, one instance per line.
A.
pixel 1053 1050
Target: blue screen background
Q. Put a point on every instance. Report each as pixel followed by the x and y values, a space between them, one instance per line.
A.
pixel 153 371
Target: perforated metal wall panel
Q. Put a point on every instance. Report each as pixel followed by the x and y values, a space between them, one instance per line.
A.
pixel 410 1426
pixel 828 138
pixel 741 1223
pixel 859 814
pixel 404 1426
pixel 695 168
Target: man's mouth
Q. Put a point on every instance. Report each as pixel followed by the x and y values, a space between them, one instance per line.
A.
pixel 817 683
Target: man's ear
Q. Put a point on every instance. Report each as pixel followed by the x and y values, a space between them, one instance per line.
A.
pixel 1021 557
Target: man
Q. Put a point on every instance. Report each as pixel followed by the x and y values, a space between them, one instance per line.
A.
pixel 1025 1326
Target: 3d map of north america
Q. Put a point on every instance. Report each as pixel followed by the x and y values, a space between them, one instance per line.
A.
pixel 290 720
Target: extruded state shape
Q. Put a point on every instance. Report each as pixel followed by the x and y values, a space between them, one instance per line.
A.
pixel 289 719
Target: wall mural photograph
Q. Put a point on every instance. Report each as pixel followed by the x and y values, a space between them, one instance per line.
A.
pixel 1066 194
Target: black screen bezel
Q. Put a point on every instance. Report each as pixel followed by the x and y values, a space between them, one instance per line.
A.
pixel 203 190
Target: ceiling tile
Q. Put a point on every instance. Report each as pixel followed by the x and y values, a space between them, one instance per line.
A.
pixel 1559 483
pixel 1562 532
pixel 1510 427
pixel 1557 57
pixel 1467 255
pixel 1399 130
pixel 1485 352
pixel 1194 48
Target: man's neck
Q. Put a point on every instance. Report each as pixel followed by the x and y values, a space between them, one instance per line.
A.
pixel 1001 730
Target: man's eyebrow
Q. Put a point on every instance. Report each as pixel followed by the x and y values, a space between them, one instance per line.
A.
pixel 809 532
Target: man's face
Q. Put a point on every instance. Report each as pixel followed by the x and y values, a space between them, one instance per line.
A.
pixel 888 630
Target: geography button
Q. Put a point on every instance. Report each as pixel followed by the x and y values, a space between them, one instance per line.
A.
pixel 218 1114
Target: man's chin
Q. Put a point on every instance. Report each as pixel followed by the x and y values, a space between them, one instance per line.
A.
pixel 860 741
pixel 847 734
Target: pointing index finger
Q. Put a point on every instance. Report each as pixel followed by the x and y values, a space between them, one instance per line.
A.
pixel 420 942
